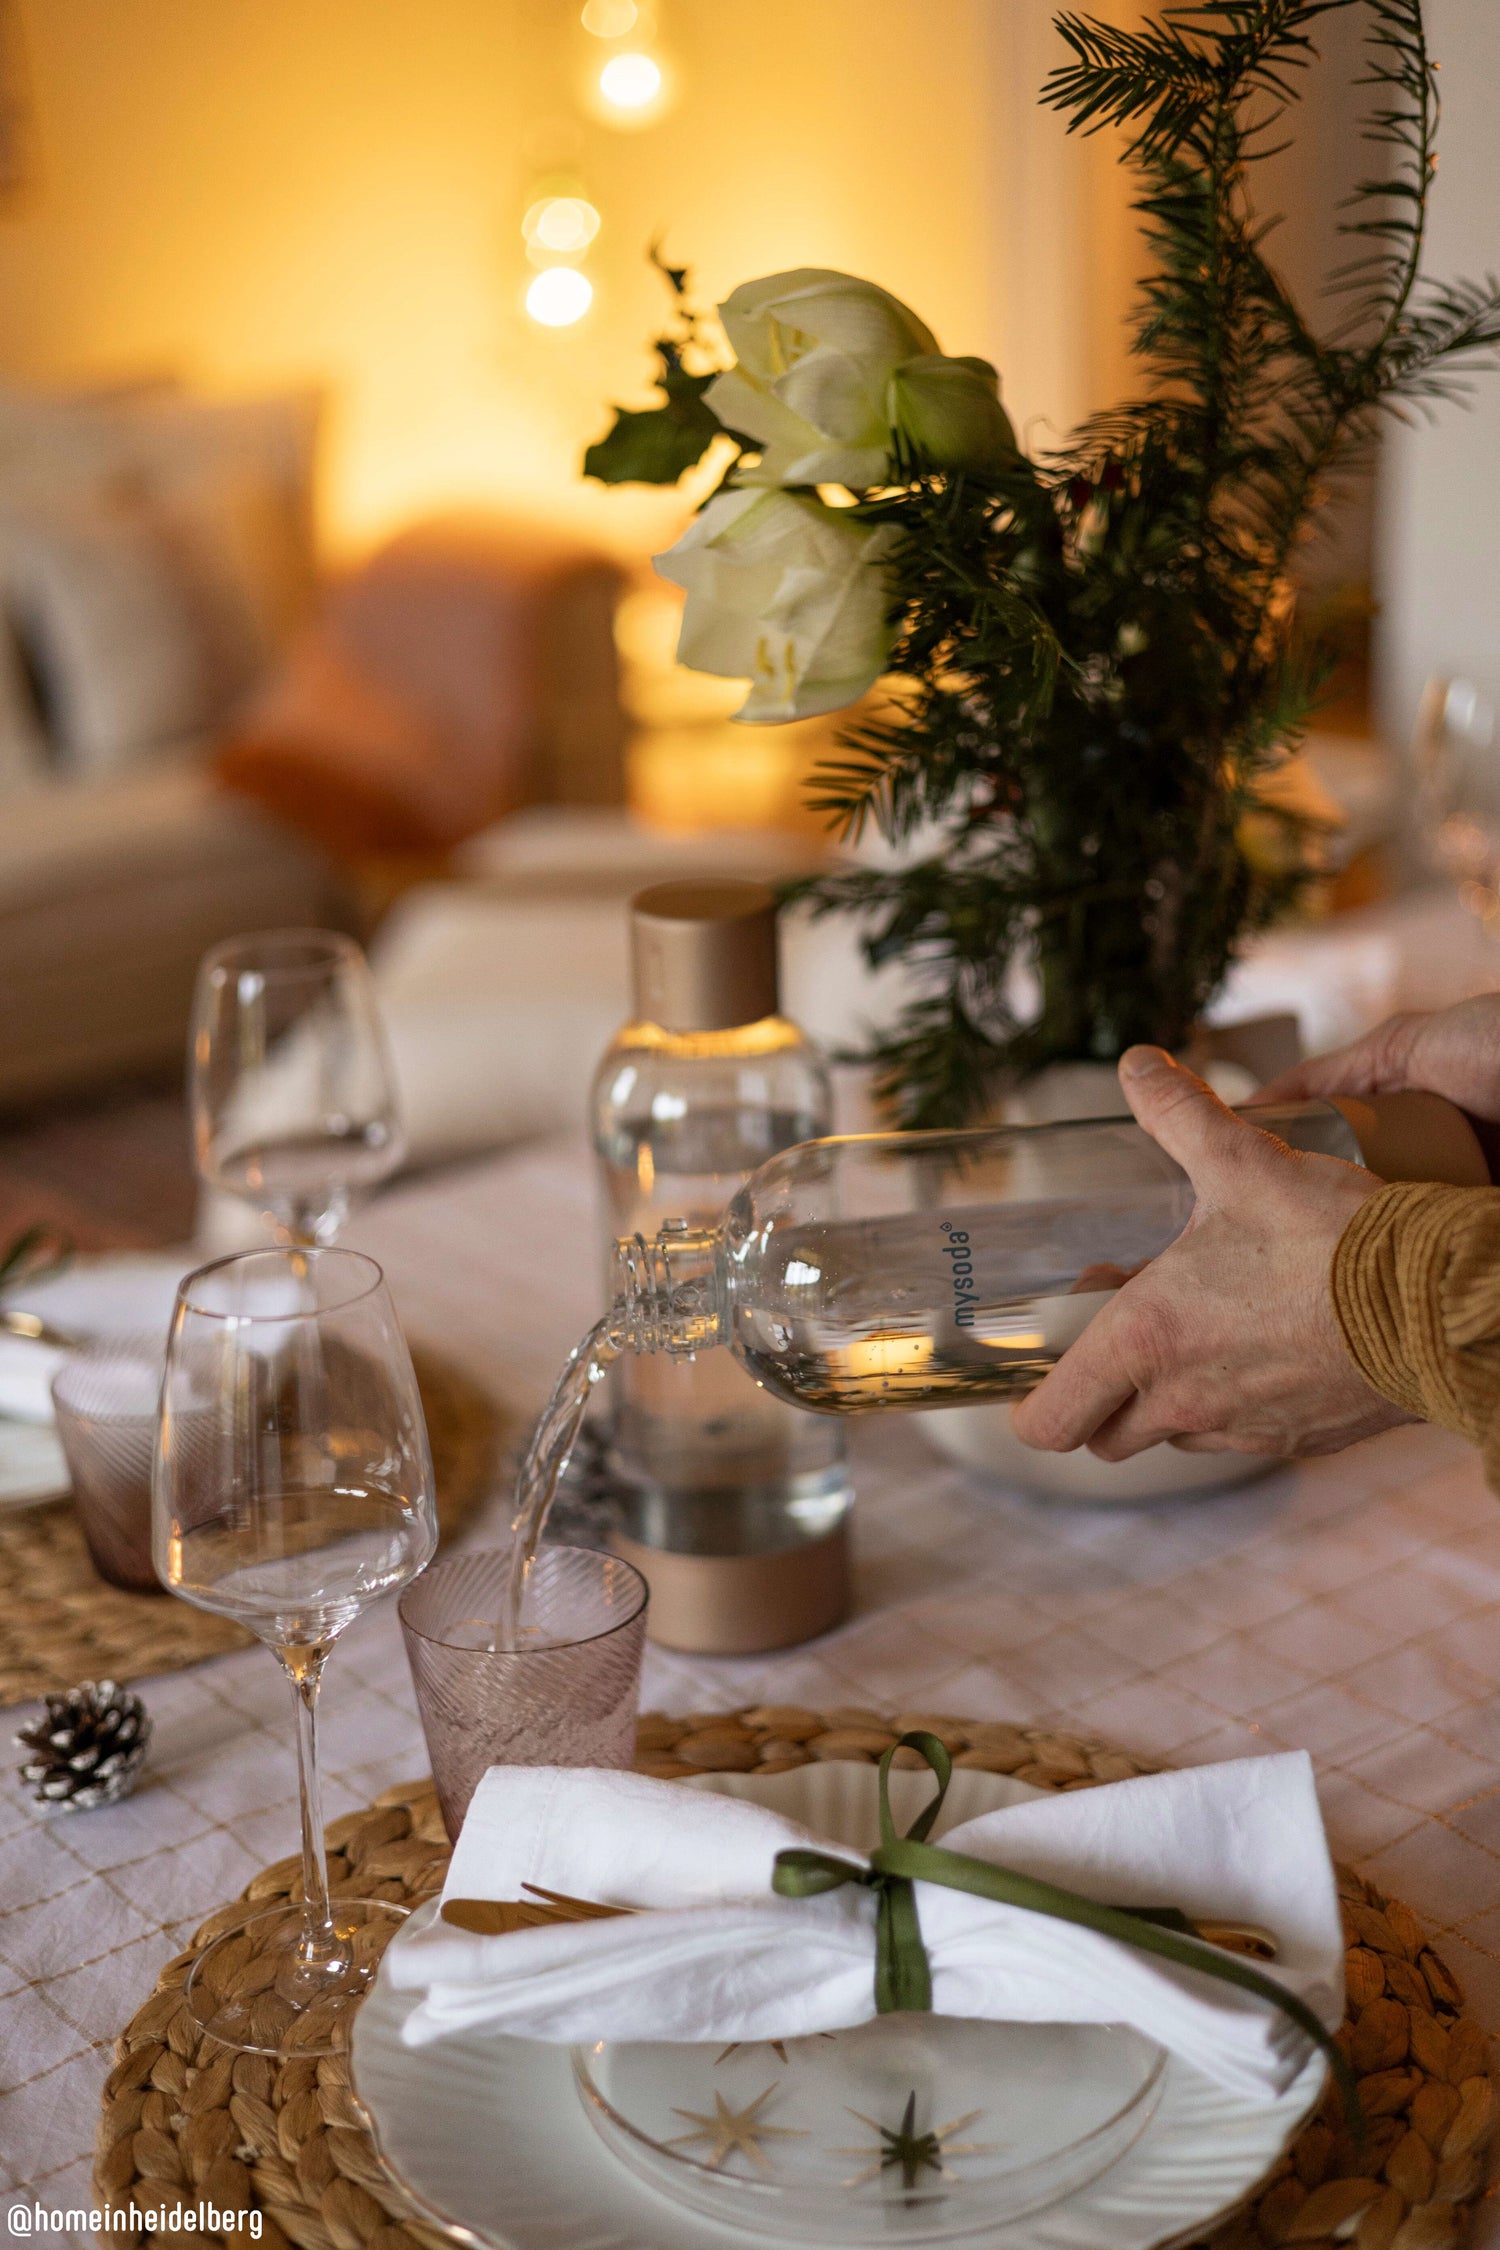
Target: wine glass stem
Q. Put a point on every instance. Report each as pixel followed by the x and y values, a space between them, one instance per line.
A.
pixel 320 1941
pixel 300 1233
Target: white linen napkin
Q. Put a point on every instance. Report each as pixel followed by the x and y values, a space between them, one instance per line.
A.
pixel 723 1959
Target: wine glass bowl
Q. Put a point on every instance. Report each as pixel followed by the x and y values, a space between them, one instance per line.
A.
pixel 291 1087
pixel 292 1486
pixel 1452 752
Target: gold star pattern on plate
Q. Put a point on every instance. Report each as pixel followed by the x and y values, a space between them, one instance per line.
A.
pixel 915 2152
pixel 777 2046
pixel 731 2129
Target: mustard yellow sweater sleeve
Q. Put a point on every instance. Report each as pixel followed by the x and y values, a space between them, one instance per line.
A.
pixel 1416 1291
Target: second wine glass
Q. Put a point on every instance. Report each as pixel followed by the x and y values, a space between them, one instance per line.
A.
pixel 293 1096
pixel 292 1487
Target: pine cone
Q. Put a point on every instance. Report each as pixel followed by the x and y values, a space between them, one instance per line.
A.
pixel 88 1748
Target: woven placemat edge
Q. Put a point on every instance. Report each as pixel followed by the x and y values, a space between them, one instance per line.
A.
pixel 291 2139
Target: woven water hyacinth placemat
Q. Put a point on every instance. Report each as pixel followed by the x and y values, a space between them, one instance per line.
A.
pixel 60 1623
pixel 184 2121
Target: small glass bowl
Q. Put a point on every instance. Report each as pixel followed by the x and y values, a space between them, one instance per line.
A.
pixel 909 2129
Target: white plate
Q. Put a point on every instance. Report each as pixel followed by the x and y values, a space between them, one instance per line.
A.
pixel 128 1293
pixel 489 2136
pixel 1044 2109
pixel 32 1467
pixel 125 1295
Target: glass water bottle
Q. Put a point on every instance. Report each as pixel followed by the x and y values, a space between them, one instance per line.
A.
pixel 942 1269
pixel 733 1507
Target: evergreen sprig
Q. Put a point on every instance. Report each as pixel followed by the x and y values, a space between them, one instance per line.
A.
pixel 1096 665
pixel 1095 668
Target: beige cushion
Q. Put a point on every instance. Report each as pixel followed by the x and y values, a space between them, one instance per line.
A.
pixel 497 1011
pixel 141 622
pixel 158 549
pixel 262 454
pixel 69 446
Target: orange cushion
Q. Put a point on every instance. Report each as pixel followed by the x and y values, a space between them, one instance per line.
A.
pixel 413 713
pixel 332 751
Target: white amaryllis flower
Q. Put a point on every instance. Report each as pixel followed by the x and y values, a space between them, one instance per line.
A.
pixel 830 369
pixel 786 593
pixel 816 351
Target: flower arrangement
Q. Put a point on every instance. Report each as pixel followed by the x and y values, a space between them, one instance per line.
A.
pixel 1090 658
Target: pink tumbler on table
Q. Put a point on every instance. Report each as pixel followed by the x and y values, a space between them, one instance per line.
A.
pixel 565 1696
pixel 105 1401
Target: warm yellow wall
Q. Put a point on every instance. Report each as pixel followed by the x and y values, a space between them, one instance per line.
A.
pixel 252 190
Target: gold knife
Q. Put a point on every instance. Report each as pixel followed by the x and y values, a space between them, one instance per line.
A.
pixel 498 1917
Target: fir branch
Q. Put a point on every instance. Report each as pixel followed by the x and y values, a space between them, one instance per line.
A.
pixel 1391 208
pixel 1172 83
pixel 1095 663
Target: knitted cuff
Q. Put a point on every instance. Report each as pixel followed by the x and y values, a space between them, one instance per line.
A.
pixel 1387 1285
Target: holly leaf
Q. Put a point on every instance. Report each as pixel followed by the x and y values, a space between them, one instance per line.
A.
pixel 677 278
pixel 657 444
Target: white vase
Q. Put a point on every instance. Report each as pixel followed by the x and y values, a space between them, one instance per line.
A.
pixel 981 1436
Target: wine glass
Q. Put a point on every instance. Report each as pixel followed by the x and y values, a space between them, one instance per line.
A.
pixel 1454 739
pixel 293 1097
pixel 292 1486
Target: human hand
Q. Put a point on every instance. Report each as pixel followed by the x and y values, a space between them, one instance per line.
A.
pixel 1454 1052
pixel 1227 1342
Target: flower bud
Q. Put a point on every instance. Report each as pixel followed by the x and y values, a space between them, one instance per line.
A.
pixel 948 413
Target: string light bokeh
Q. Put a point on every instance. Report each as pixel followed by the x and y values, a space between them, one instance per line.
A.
pixel 559 295
pixel 631 81
pixel 559 226
pixel 627 87
pixel 611 19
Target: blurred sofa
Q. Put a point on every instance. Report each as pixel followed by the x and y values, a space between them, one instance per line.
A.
pixel 156 553
pixel 109 893
pixel 174 766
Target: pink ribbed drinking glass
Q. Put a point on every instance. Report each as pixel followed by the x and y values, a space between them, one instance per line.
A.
pixel 105 1403
pixel 565 1697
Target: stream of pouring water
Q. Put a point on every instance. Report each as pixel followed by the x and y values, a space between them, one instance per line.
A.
pixel 546 1458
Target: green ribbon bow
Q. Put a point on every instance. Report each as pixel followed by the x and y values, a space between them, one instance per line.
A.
pixel 903 1977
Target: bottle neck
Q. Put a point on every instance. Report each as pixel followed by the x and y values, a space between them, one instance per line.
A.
pixel 669 1295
